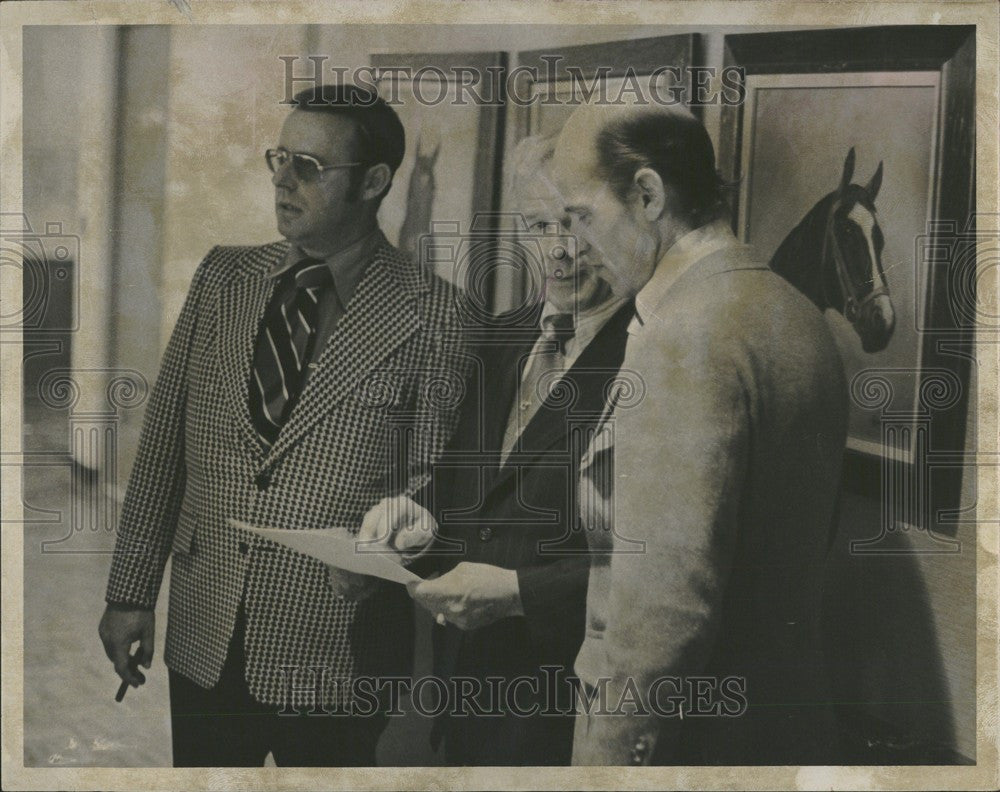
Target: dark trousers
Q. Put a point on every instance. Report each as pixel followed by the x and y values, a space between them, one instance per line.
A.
pixel 227 727
pixel 508 736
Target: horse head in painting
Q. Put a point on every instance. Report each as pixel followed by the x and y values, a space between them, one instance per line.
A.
pixel 834 257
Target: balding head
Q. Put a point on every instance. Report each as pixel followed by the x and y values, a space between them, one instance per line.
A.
pixel 613 142
pixel 575 150
pixel 636 177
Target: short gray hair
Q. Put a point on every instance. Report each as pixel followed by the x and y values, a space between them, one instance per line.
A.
pixel 530 155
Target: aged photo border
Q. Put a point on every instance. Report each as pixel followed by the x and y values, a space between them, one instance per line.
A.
pixel 770 15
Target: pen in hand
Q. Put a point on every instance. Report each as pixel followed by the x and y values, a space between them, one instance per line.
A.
pixel 133 664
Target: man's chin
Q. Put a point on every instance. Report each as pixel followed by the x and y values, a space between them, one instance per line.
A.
pixel 287 228
pixel 559 294
pixel 613 288
pixel 594 292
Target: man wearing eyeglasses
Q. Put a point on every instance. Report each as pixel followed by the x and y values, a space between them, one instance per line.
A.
pixel 502 520
pixel 298 389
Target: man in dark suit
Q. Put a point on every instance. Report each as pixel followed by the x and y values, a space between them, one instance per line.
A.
pixel 510 599
pixel 288 374
pixel 725 473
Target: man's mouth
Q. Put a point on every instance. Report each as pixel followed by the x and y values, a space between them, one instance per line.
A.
pixel 288 208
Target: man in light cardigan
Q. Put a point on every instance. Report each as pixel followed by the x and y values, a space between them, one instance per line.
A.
pixel 726 471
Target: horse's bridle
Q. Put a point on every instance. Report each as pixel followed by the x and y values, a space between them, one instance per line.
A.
pixel 852 304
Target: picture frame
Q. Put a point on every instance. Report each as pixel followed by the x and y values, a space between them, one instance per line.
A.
pixel 466 135
pixel 608 61
pixel 914 398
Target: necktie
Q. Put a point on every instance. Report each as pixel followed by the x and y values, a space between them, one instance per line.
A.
pixel 284 345
pixel 544 370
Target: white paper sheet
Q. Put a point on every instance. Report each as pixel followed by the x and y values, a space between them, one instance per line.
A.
pixel 336 547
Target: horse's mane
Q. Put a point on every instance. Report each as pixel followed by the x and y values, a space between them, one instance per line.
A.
pixel 795 258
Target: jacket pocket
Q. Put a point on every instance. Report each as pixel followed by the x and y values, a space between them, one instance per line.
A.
pixel 184 534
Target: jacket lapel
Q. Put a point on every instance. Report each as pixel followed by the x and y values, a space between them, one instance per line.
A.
pixel 382 314
pixel 588 379
pixel 241 305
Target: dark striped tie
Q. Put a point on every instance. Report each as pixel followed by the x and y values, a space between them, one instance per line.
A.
pixel 284 345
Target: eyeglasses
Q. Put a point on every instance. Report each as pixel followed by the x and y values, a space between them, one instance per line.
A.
pixel 304 166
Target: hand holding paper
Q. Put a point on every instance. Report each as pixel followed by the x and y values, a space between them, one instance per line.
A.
pixel 399 523
pixel 337 547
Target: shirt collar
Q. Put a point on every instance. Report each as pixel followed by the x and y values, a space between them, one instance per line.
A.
pixel 587 323
pixel 693 246
pixel 347 265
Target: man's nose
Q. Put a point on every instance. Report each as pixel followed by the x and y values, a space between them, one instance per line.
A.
pixel 581 240
pixel 284 177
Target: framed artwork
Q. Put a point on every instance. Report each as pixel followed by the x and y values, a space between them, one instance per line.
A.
pixel 451 170
pixel 602 67
pixel 890 108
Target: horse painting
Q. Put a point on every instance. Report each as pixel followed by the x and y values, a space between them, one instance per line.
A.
pixel 420 196
pixel 834 257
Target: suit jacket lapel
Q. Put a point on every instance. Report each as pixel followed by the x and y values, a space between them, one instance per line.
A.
pixel 382 315
pixel 587 379
pixel 241 305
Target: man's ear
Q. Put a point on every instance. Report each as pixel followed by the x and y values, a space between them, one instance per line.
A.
pixel 651 192
pixel 377 178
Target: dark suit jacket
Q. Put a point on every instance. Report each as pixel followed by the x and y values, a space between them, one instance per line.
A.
pixel 523 515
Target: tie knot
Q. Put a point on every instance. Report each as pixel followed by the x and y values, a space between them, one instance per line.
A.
pixel 311 274
pixel 559 327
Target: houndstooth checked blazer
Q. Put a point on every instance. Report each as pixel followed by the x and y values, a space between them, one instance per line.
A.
pixel 374 414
